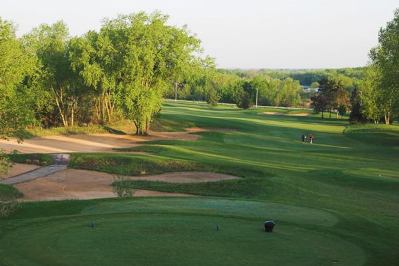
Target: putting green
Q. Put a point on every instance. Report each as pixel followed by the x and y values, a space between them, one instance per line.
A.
pixel 179 232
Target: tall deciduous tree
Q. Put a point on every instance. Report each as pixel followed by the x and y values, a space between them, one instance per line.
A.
pixel 15 65
pixel 381 91
pixel 50 45
pixel 332 96
pixel 153 56
pixel 374 99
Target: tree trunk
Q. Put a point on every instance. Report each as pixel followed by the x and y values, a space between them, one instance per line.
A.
pixel 58 101
pixel 387 118
pixel 72 115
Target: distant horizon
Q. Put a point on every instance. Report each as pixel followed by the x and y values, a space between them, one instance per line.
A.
pixel 285 34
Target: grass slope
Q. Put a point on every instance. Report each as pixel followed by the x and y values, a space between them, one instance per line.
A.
pixel 174 232
pixel 336 201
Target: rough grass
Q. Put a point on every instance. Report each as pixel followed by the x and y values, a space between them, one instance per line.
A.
pixel 231 188
pixel 131 164
pixel 31 158
pixel 8 193
pixel 121 127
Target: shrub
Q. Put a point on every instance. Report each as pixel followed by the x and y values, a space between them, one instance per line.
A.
pixel 121 187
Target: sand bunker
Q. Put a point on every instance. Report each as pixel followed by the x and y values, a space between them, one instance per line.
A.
pixel 272 113
pixel 83 184
pixel 300 114
pixel 90 143
pixel 293 114
pixel 18 169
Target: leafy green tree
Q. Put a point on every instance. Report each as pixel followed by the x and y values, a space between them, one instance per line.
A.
pixel 49 42
pixel 289 93
pixel 385 58
pixel 148 57
pixel 245 97
pixel 315 85
pixel 371 94
pixel 332 96
pixel 356 114
pixel 319 103
pixel 15 65
pixel 95 58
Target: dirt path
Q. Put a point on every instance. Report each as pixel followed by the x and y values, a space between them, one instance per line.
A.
pixel 34 174
pixel 83 184
pixel 90 143
pixel 18 169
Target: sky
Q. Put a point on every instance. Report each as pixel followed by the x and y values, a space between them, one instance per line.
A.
pixel 246 34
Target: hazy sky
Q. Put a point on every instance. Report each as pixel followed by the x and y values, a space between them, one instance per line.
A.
pixel 239 34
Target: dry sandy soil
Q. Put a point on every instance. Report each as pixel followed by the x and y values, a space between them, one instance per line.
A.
pixel 295 114
pixel 18 169
pixel 91 143
pixel 83 184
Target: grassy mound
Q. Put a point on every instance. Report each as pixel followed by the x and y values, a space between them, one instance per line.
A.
pixel 32 158
pixel 177 232
pixel 131 164
pixel 8 193
pixel 374 134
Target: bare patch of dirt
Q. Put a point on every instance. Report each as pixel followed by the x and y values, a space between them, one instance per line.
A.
pixel 83 184
pixel 89 143
pixel 195 129
pixel 283 114
pixel 272 113
pixel 18 169
pixel 300 114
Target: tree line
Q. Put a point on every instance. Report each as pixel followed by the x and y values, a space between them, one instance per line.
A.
pixel 214 86
pixel 375 96
pixel 123 70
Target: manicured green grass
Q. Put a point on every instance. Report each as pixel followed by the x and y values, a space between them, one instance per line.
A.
pixel 176 232
pixel 336 201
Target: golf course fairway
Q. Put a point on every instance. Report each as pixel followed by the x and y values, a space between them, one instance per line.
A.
pixel 334 202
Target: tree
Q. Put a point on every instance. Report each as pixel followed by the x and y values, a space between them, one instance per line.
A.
pixel 385 58
pixel 314 85
pixel 245 96
pixel 95 58
pixel 289 93
pixel 319 103
pixel 371 94
pixel 148 56
pixel 15 65
pixel 49 42
pixel 356 114
pixel 331 96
